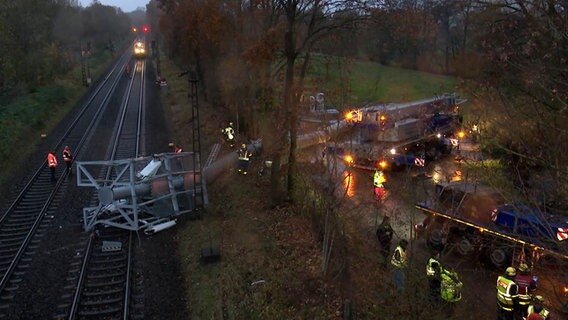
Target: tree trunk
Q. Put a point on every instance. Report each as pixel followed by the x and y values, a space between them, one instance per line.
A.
pixel 275 181
pixel 289 102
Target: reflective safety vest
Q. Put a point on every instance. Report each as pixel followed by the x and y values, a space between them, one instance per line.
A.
pixel 51 160
pixel 67 155
pixel 244 154
pixel 229 132
pixel 433 267
pixel 378 179
pixel 399 257
pixel 523 282
pixel 450 286
pixel 544 313
pixel 504 296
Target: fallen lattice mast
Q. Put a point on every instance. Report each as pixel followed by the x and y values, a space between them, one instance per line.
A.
pixel 145 193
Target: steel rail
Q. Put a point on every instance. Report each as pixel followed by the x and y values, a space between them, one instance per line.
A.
pixel 112 154
pixel 34 182
pixel 59 143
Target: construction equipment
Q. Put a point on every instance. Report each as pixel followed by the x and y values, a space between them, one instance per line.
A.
pixel 405 135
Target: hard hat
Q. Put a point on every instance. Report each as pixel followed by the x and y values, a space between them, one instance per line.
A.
pixel 539 298
pixel 511 271
pixel 243 145
pixel 230 124
pixel 523 267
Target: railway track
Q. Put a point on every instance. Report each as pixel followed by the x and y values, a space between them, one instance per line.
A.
pixel 101 273
pixel 28 216
pixel 102 286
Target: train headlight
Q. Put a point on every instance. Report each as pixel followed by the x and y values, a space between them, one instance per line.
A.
pixel 393 151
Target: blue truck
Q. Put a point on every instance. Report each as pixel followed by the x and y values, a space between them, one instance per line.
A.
pixel 475 219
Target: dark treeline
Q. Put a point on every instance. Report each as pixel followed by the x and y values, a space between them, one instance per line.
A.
pixel 42 39
pixel 251 56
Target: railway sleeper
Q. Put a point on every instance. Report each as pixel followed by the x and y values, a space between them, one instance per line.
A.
pixel 106 268
pixel 6 258
pixel 104 284
pixel 12 242
pixel 12 238
pixel 88 313
pixel 118 273
pixel 5 262
pixel 7 296
pixel 72 278
pixel 25 214
pixel 17 225
pixel 75 269
pixel 11 288
pixel 98 302
pixel 106 256
pixel 37 194
pixel 116 290
pixel 8 250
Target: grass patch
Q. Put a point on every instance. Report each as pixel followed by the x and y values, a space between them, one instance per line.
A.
pixel 352 82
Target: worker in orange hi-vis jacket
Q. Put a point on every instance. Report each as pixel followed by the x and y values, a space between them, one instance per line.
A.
pixel 52 163
pixel 68 158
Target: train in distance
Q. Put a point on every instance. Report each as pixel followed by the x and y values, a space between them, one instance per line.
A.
pixel 139 50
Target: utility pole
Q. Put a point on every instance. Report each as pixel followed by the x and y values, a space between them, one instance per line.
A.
pixel 85 71
pixel 198 197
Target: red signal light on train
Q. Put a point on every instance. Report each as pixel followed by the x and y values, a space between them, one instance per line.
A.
pixel 146 29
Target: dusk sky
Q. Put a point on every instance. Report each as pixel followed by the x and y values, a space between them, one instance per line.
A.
pixel 125 5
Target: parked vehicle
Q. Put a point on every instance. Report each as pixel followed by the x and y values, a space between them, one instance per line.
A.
pixel 475 219
pixel 407 134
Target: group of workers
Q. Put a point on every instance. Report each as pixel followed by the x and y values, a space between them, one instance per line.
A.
pixel 444 284
pixel 52 161
pixel 515 299
pixel 244 154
